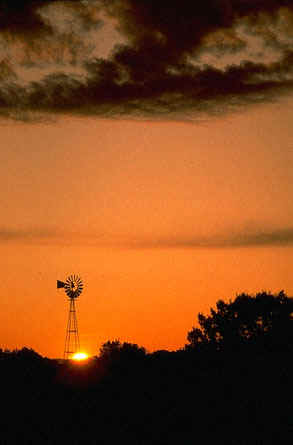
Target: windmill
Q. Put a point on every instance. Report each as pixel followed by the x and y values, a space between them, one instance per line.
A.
pixel 73 287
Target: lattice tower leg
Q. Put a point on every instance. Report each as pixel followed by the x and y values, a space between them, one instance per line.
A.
pixel 72 337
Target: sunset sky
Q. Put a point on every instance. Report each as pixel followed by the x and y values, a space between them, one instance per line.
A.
pixel 146 146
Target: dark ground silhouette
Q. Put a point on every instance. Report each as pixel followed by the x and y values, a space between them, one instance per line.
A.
pixel 231 384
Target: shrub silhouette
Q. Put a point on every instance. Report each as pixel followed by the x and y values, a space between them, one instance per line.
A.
pixel 113 351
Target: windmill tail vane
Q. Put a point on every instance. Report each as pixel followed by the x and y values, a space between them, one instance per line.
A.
pixel 60 284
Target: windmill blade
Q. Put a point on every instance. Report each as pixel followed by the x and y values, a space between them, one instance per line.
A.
pixel 60 284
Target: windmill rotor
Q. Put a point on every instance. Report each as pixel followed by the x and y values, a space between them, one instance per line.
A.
pixel 73 286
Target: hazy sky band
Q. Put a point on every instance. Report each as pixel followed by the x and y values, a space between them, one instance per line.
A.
pixel 281 237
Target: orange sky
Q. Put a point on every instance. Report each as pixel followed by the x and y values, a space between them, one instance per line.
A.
pixel 148 149
pixel 159 219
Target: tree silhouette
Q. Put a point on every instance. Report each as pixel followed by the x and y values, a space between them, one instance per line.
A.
pixel 264 321
pixel 116 357
pixel 115 350
pixel 127 395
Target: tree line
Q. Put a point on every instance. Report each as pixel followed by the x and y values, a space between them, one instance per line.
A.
pixel 230 384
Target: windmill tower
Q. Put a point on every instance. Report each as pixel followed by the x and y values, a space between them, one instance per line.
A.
pixel 73 287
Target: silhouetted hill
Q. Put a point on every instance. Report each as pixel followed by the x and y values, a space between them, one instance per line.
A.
pixel 214 391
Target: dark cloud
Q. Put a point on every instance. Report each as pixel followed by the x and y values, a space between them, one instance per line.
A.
pixel 24 17
pixel 277 237
pixel 21 16
pixel 162 70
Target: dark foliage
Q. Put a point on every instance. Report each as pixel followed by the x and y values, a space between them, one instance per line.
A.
pixel 230 385
pixel 263 321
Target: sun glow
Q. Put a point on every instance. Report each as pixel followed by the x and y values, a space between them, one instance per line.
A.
pixel 79 356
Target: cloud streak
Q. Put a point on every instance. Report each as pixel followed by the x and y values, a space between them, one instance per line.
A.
pixel 282 237
pixel 143 58
pixel 30 235
pixel 279 237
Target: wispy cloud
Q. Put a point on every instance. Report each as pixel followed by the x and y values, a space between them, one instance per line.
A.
pixel 143 58
pixel 237 239
pixel 276 237
pixel 26 235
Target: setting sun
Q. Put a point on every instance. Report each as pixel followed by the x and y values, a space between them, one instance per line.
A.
pixel 79 356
